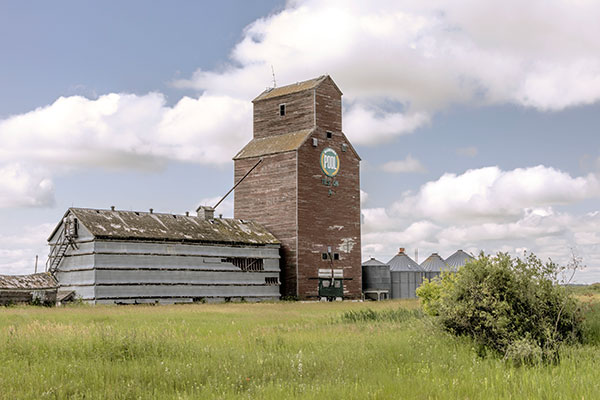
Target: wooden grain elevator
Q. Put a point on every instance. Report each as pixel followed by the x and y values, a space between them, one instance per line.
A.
pixel 305 185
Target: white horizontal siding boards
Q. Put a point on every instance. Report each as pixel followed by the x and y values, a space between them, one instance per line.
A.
pixel 85 277
pixel 182 277
pixel 129 247
pixel 178 291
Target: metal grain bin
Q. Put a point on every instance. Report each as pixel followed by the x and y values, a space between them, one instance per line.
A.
pixel 376 280
pixel 434 265
pixel 406 276
pixel 458 259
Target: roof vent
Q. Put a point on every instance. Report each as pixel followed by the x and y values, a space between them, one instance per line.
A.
pixel 151 210
pixel 187 213
pixel 112 208
pixel 401 250
pixel 206 212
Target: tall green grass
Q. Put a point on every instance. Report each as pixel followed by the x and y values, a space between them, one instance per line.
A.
pixel 342 350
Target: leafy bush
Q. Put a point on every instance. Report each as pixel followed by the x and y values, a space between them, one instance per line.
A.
pixel 510 306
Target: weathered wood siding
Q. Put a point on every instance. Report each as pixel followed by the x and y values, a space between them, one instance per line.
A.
pixel 328 218
pixel 268 196
pixel 286 193
pixel 299 114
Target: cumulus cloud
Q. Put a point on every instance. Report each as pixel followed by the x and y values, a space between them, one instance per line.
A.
pixel 115 131
pixel 409 164
pixel 127 131
pixel 491 210
pixel 18 250
pixel 22 187
pixel 423 55
pixel 398 62
pixel 492 194
pixel 364 197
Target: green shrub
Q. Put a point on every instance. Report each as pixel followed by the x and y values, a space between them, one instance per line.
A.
pixel 510 306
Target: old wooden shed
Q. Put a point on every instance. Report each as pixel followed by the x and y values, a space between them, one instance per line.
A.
pixel 114 256
pixel 31 289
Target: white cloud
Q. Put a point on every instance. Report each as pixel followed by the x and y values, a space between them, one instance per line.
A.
pixel 20 187
pixel 369 127
pixel 491 210
pixel 409 164
pixel 490 194
pixel 424 55
pixel 364 197
pixel 116 131
pixel 470 151
pixel 398 63
pixel 127 131
pixel 18 250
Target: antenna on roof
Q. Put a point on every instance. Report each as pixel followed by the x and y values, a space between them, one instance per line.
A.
pixel 273 72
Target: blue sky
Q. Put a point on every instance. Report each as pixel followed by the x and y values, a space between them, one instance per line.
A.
pixel 477 122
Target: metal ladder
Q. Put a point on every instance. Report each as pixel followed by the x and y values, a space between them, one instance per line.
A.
pixel 57 253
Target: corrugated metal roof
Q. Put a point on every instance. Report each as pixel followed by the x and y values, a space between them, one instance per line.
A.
pixel 293 88
pixel 34 281
pixel 402 262
pixel 435 263
pixel 133 225
pixel 274 144
pixel 373 262
pixel 458 259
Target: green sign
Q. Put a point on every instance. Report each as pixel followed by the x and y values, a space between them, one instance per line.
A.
pixel 330 162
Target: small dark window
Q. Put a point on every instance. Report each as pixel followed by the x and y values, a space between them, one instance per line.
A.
pixel 329 134
pixel 246 264
pixel 282 110
pixel 324 256
pixel 271 281
pixel 336 256
pixel 338 284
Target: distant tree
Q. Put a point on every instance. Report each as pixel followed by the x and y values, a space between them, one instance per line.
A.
pixel 510 306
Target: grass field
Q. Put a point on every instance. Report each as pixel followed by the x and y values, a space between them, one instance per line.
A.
pixel 268 351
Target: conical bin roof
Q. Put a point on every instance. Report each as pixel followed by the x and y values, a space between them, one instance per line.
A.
pixel 402 262
pixel 459 259
pixel 435 263
pixel 373 263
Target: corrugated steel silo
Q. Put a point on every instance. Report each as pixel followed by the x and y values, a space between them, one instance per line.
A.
pixel 458 259
pixel 406 276
pixel 376 279
pixel 434 265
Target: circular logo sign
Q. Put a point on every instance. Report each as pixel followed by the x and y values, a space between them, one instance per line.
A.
pixel 330 162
